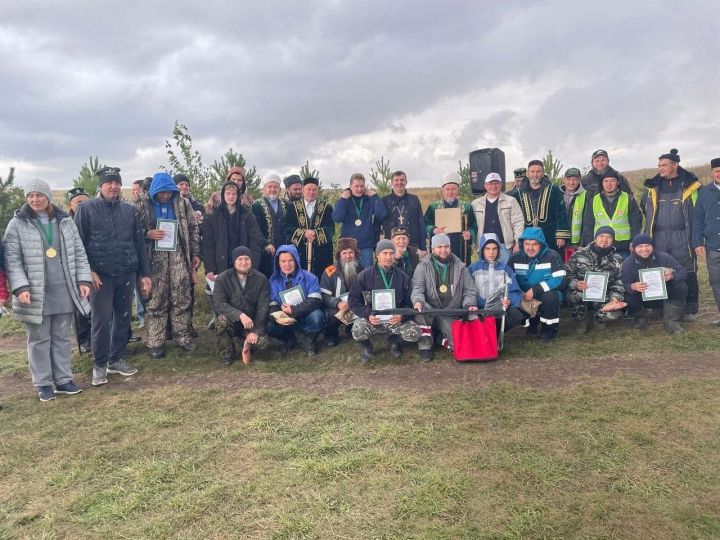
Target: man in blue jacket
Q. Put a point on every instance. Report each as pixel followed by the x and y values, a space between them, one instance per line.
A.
pixel 706 229
pixel 360 212
pixel 300 311
pixel 541 276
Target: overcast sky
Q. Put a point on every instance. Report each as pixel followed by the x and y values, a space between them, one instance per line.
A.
pixel 342 83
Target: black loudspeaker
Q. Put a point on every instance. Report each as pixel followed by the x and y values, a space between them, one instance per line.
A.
pixel 483 162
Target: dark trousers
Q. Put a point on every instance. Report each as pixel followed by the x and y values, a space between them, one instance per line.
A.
pixel 677 294
pixel 111 311
pixel 548 314
pixel 82 328
pixel 713 268
pixel 693 292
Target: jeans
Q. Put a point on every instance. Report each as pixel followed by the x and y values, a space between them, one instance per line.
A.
pixel 312 323
pixel 366 257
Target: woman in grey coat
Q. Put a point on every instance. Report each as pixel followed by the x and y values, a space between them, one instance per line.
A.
pixel 49 276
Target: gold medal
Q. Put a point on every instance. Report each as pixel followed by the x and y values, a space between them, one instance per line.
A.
pixel 51 253
pixel 358 222
pixel 443 288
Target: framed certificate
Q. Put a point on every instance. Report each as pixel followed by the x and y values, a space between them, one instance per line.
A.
pixel 292 296
pixel 597 284
pixel 450 218
pixel 383 299
pixel 654 278
pixel 169 241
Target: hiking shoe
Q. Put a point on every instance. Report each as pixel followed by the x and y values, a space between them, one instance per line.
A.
pixel 46 393
pixel 156 353
pixel 227 359
pixel 396 348
pixel 69 388
pixel 640 323
pixel 121 367
pixel 367 351
pixel 211 324
pixel 84 348
pixel 134 339
pixel 330 341
pixel 188 347
pixel 193 332
pixel 99 375
pixel 426 355
pixel 289 345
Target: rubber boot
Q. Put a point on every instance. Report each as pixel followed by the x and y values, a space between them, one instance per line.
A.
pixel 367 351
pixel 309 341
pixel 396 349
pixel 671 314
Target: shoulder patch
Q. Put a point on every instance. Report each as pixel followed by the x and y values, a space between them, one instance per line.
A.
pixel 330 270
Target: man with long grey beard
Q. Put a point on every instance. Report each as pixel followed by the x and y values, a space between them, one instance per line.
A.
pixel 334 286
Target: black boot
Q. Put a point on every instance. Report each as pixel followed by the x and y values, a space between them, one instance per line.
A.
pixel 582 325
pixel 671 314
pixel 396 348
pixel 331 338
pixel 309 342
pixel 548 331
pixel 367 351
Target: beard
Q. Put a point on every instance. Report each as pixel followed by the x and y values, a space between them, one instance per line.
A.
pixel 349 272
pixel 272 198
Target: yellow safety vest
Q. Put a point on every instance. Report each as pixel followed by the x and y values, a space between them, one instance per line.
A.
pixel 577 217
pixel 618 222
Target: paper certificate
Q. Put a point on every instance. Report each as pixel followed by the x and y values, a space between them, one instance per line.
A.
pixel 169 241
pixel 450 218
pixel 654 278
pixel 383 299
pixel 292 296
pixel 597 283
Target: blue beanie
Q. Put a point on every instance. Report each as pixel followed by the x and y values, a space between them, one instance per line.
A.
pixel 640 239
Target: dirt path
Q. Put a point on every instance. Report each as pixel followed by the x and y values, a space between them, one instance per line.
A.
pixel 441 375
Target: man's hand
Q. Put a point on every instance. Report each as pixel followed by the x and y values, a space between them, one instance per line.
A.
pixel 155 234
pixel 581 286
pixel 418 306
pixel 24 297
pixel 421 253
pixel 638 286
pixel 560 242
pixel 395 319
pixel 97 282
pixel 372 319
pixel 271 250
pixel 246 321
pixel 668 273
pixel 516 247
pixel 399 254
pixel 370 192
pixel 342 306
pixel 252 338
pixel 438 230
pixel 529 294
pixel 287 310
pixel 84 291
pixel 346 193
pixel 700 251
pixel 145 286
pixel 196 262
pixel 472 308
pixel 505 303
pixel 210 276
pixel 466 235
pixel 310 235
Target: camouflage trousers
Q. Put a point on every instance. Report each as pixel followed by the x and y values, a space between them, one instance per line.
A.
pixel 171 295
pixel 226 330
pixel 579 310
pixel 407 330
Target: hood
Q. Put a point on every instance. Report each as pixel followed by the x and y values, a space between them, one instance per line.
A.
pixel 578 191
pixel 292 250
pixel 25 212
pixel 484 239
pixel 684 175
pixel 163 182
pixel 535 233
pixel 222 194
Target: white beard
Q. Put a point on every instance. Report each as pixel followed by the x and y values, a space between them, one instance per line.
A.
pixel 349 272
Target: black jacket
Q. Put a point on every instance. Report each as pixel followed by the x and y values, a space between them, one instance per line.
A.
pixel 215 244
pixel 632 265
pixel 592 182
pixel 370 279
pixel 230 299
pixel 113 237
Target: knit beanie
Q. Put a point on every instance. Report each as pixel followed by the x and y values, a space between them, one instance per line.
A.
pixel 239 252
pixel 382 245
pixel 108 174
pixel 641 239
pixel 180 177
pixel 606 230
pixel 38 186
pixel 672 156
pixel 441 239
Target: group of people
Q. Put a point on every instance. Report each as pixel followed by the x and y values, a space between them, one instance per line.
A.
pixel 276 274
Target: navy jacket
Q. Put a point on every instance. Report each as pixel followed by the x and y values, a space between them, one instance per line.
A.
pixel 360 296
pixel 372 214
pixel 632 265
pixel 706 220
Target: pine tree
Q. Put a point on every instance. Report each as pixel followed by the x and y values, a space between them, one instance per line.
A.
pixel 182 158
pixel 11 198
pixel 465 187
pixel 381 177
pixel 220 168
pixel 553 167
pixel 87 179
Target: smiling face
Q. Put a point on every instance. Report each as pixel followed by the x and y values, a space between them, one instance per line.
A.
pixel 37 201
pixel 271 190
pixel 493 188
pixel 310 192
pixel 286 262
pixel 357 187
pixel 243 264
pixel 571 183
pixel 401 241
pixel 450 192
pixel 442 251
pixel 399 181
pixel 600 163
pixel 610 185
pixel 604 240
pixel 531 248
pixel 643 250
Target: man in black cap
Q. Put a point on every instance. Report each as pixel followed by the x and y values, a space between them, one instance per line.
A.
pixel 669 205
pixel 310 228
pixel 575 197
pixel 542 204
pixel 600 163
pixel 182 181
pixel 706 229
pixel 519 178
pixel 115 245
pixel 293 188
pixel 75 197
pixel 242 302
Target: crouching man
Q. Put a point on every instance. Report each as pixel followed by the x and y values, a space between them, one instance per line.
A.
pixel 441 281
pixel 335 284
pixel 295 302
pixel 382 275
pixel 675 275
pixel 540 273
pixel 241 300
pixel 599 256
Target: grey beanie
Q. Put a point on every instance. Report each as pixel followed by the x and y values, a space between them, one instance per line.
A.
pixel 39 186
pixel 384 244
pixel 441 239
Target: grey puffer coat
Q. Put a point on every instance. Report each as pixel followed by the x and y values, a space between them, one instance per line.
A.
pixel 25 263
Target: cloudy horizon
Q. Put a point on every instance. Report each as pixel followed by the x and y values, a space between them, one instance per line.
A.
pixel 341 84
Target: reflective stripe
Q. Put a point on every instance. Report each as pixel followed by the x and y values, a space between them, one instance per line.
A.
pixel 544 286
pixel 325 291
pixel 619 222
pixel 576 218
pixel 315 295
pixel 558 273
pixel 543 266
pixel 521 266
pixel 550 321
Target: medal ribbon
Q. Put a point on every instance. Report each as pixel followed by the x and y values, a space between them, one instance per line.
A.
pixel 443 272
pixel 388 284
pixel 47 233
pixel 358 210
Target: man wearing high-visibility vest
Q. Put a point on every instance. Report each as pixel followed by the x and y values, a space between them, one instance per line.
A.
pixel 575 197
pixel 615 209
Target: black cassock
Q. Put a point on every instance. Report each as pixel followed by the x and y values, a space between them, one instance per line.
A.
pixel 297 222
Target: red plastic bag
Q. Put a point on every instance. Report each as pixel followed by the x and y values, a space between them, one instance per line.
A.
pixel 475 341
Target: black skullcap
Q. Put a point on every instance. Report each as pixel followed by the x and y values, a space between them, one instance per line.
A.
pixel 520 172
pixel 715 163
pixel 292 179
pixel 180 177
pixel 74 192
pixel 311 180
pixel 108 174
pixel 239 252
pixel 611 174
pixel 605 230
pixel 536 162
pixel 672 156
